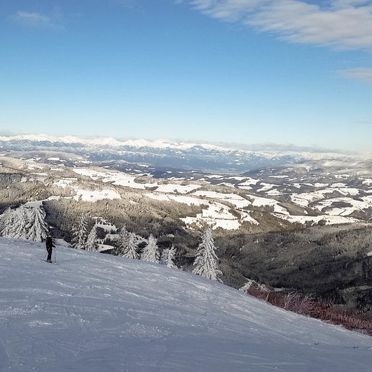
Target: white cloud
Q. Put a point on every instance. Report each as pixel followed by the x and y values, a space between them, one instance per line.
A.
pixel 345 24
pixel 363 74
pixel 33 19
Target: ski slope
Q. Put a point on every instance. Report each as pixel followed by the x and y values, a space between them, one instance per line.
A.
pixel 93 312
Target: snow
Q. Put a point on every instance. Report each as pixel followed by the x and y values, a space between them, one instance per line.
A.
pixel 355 205
pixel 93 313
pixel 216 215
pixel 267 202
pixel 95 195
pixel 129 180
pixel 116 178
pixel 111 142
pixel 305 199
pixel 265 187
pixel 189 200
pixel 367 182
pixel 320 185
pixel 248 182
pixel 329 220
pixel 273 193
pixel 177 188
pixel 65 182
pixel 234 199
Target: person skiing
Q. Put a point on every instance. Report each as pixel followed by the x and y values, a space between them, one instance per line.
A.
pixel 49 244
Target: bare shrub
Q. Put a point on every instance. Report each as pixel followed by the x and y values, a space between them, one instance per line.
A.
pixel 306 305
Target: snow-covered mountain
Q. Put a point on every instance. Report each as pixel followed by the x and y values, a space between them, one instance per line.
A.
pixel 91 312
pixel 111 142
pixel 178 154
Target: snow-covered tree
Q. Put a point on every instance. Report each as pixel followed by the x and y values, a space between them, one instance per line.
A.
pixel 167 257
pixel 92 243
pixel 25 222
pixel 151 252
pixel 128 244
pixel 255 285
pixel 37 228
pixel 206 261
pixel 80 233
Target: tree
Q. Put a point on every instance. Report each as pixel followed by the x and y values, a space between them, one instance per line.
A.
pixel 92 244
pixel 151 252
pixel 80 233
pixel 25 222
pixel 128 244
pixel 167 257
pixel 37 229
pixel 206 261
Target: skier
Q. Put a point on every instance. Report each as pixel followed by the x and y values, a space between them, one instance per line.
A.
pixel 49 244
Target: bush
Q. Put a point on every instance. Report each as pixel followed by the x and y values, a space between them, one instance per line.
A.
pixel 305 305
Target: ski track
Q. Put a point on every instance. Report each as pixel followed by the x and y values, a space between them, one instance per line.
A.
pixel 93 312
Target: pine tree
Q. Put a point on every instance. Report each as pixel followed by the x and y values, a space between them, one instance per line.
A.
pixel 164 256
pixel 206 261
pixel 92 244
pixel 80 233
pixel 151 252
pixel 167 257
pixel 128 244
pixel 25 222
pixel 37 228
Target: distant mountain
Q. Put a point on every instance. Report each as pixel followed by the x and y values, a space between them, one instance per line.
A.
pixel 228 158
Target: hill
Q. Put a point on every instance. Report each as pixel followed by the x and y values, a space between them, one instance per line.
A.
pixel 92 312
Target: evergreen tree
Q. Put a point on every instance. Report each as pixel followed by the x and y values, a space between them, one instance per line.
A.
pixel 92 244
pixel 80 233
pixel 128 244
pixel 206 261
pixel 25 222
pixel 37 229
pixel 151 252
pixel 167 257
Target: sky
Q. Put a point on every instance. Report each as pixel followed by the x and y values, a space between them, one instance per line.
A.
pixel 247 71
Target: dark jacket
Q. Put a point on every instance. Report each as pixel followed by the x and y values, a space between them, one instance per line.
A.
pixel 49 243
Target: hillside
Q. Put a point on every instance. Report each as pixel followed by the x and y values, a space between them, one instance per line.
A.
pixel 92 312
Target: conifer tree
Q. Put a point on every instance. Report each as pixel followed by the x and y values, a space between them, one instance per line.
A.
pixel 36 229
pixel 80 233
pixel 25 222
pixel 167 257
pixel 206 261
pixel 92 244
pixel 128 244
pixel 151 252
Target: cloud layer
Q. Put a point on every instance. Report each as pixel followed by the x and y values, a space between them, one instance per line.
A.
pixel 363 74
pixel 33 19
pixel 345 24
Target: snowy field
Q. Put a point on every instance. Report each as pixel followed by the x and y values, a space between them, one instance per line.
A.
pixel 92 312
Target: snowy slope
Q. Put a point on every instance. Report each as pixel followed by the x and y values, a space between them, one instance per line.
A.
pixel 92 312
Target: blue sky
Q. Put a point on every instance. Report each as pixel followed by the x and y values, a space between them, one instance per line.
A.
pixel 248 71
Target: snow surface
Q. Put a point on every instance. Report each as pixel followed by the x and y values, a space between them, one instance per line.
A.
pixel 214 214
pixel 234 199
pixel 93 312
pixel 95 195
